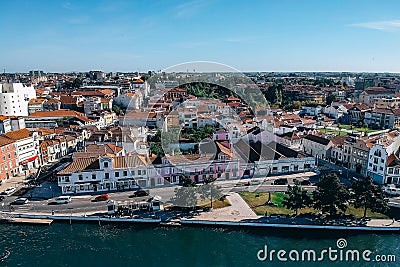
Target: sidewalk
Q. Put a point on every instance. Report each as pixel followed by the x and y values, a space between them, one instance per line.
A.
pixel 239 210
pixel 15 181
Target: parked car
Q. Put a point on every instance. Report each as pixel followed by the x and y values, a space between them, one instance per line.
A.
pixel 140 193
pixel 20 201
pixel 240 184
pixel 305 182
pixel 254 182
pixel 102 197
pixel 281 181
pixel 63 200
pixel 9 191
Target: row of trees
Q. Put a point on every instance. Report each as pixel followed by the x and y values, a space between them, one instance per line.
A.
pixel 332 196
pixel 190 192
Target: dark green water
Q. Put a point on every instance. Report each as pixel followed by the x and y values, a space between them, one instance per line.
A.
pixel 126 245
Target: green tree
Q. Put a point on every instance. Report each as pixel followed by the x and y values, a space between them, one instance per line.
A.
pixel 331 195
pixel 296 197
pixel 209 190
pixel 185 181
pixel 369 196
pixel 185 197
pixel 116 109
pixel 330 98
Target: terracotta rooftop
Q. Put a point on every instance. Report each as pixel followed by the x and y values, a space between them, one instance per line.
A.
pixel 56 113
pixel 81 164
pixel 5 141
pixel 36 101
pixel 18 134
pixel 129 161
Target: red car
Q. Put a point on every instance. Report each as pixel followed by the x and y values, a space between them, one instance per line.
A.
pixel 102 197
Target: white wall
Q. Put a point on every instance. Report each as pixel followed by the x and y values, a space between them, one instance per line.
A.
pixel 14 99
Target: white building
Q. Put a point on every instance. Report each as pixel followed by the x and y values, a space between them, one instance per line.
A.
pixel 14 99
pixel 317 146
pixel 378 163
pixel 102 174
pixel 26 145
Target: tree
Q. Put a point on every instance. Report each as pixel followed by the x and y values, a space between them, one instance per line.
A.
pixel 185 181
pixel 185 197
pixel 369 196
pixel 116 109
pixel 330 98
pixel 296 197
pixel 331 195
pixel 209 190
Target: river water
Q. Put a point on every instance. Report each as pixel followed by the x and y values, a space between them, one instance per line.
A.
pixel 62 244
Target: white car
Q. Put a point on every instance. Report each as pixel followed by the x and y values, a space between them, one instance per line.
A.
pixel 63 199
pixel 254 182
pixel 9 191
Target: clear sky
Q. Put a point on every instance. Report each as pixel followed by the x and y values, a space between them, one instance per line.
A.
pixel 269 35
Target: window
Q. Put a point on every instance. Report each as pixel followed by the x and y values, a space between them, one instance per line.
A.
pixel 106 164
pixel 93 176
pixel 159 181
pixel 116 174
pixel 107 175
pixel 139 172
pixel 80 177
pixel 143 172
pixel 382 160
pixel 125 173
pixel 132 172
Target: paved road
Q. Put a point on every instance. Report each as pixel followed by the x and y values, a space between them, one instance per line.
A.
pixel 85 204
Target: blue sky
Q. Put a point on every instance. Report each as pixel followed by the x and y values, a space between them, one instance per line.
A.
pixel 270 35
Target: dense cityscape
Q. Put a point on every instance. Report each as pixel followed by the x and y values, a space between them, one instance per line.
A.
pixel 203 133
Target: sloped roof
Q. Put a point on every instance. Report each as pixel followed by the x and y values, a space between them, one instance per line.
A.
pixel 317 139
pixel 36 101
pixel 18 134
pixel 57 113
pixel 129 161
pixel 81 164
pixel 5 141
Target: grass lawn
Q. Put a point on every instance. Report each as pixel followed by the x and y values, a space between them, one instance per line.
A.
pixel 257 201
pixel 330 131
pixel 217 204
pixel 358 129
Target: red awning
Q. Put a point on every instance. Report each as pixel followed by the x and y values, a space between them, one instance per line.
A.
pixel 28 160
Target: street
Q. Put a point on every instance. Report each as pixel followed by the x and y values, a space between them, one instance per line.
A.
pixel 84 204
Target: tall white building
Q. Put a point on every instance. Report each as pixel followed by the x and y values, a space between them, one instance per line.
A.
pixel 14 99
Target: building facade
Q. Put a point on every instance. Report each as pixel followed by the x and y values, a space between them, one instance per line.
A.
pixel 14 99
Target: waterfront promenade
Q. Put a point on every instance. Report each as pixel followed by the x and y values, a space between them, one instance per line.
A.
pixel 238 214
